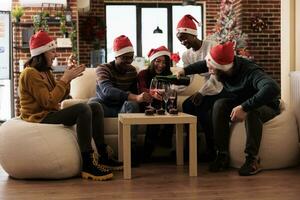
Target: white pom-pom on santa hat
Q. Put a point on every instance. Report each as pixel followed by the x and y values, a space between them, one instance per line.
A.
pixel 221 56
pixel 122 45
pixel 160 51
pixel 40 43
pixel 187 25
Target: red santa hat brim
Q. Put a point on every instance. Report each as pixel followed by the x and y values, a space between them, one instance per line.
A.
pixel 187 30
pixel 216 65
pixel 158 54
pixel 123 51
pixel 42 49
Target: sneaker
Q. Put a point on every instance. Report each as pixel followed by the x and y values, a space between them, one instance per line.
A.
pixel 92 170
pixel 110 163
pixel 250 167
pixel 221 162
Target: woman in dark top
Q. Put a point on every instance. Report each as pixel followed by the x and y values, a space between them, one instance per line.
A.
pixel 160 64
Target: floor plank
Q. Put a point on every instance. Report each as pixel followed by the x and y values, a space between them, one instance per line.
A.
pixel 161 181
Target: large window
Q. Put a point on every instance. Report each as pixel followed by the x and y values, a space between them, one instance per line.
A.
pixel 120 20
pixel 139 21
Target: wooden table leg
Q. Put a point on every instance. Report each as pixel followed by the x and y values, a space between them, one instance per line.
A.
pixel 179 144
pixel 127 151
pixel 193 149
pixel 120 140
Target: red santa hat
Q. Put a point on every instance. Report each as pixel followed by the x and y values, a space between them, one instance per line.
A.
pixel 160 51
pixel 40 43
pixel 122 45
pixel 221 56
pixel 187 25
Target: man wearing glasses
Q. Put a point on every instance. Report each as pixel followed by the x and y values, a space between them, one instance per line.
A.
pixel 116 87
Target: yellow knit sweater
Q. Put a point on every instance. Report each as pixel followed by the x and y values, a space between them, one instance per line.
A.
pixel 40 94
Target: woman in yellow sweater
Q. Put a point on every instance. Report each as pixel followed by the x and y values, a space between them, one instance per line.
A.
pixel 40 97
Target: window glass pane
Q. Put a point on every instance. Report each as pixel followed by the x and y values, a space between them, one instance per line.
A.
pixel 120 20
pixel 151 18
pixel 178 13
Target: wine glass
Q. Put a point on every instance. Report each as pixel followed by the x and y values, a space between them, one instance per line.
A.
pixel 161 89
pixel 173 95
pixel 166 94
pixel 152 91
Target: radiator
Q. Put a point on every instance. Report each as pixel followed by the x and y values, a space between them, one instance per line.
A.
pixel 295 95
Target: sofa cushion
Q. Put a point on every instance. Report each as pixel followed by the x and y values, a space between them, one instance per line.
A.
pixel 84 87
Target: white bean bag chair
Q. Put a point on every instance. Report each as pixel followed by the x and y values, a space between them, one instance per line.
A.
pixel 279 145
pixel 34 150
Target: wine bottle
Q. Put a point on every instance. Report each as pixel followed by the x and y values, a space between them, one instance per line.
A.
pixel 172 79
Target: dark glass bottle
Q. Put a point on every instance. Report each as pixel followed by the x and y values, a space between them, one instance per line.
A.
pixel 172 79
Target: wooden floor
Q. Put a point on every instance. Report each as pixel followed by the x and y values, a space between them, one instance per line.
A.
pixel 161 181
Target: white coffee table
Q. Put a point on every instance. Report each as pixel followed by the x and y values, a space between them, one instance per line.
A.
pixel 125 120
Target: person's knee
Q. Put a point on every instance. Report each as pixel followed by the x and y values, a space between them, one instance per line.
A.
pixel 83 108
pixel 96 108
pixel 188 106
pixel 219 104
pixel 131 107
pixel 252 115
pixel 221 108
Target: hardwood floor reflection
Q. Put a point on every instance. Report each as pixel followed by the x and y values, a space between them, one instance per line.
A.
pixel 161 181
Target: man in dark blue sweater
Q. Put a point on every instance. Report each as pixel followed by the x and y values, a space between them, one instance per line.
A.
pixel 255 100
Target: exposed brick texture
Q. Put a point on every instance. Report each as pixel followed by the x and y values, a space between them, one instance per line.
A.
pixel 264 46
pixel 24 54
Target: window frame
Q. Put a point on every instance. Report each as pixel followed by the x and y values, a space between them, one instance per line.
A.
pixel 139 7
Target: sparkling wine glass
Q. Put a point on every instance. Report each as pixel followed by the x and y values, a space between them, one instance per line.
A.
pixel 161 91
pixel 152 91
pixel 173 95
pixel 166 94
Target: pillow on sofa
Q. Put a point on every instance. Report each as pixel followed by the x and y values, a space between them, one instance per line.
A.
pixel 84 87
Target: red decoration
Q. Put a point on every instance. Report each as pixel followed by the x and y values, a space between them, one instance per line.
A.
pixel 175 57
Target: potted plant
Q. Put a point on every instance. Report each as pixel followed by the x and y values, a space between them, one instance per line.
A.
pixel 39 22
pixel 73 37
pixel 58 15
pixel 17 13
pixel 63 27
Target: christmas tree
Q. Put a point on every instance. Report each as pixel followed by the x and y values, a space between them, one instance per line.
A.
pixel 226 30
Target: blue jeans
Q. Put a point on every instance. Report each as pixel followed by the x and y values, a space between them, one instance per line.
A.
pixel 113 111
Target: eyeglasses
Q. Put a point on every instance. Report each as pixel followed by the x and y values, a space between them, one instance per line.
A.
pixel 123 58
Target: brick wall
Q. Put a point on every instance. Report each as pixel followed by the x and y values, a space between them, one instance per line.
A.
pixel 264 46
pixel 23 53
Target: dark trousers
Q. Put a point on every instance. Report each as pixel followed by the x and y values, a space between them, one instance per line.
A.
pixel 203 113
pixel 89 123
pixel 253 123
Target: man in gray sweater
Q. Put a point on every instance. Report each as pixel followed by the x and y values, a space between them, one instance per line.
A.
pixel 254 99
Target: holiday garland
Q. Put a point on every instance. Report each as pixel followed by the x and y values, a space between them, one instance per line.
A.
pixel 258 24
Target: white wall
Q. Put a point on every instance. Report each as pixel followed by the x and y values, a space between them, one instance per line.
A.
pixel 5 100
pixel 290 44
pixel 5 5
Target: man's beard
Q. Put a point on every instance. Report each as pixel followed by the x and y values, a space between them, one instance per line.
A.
pixel 222 76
